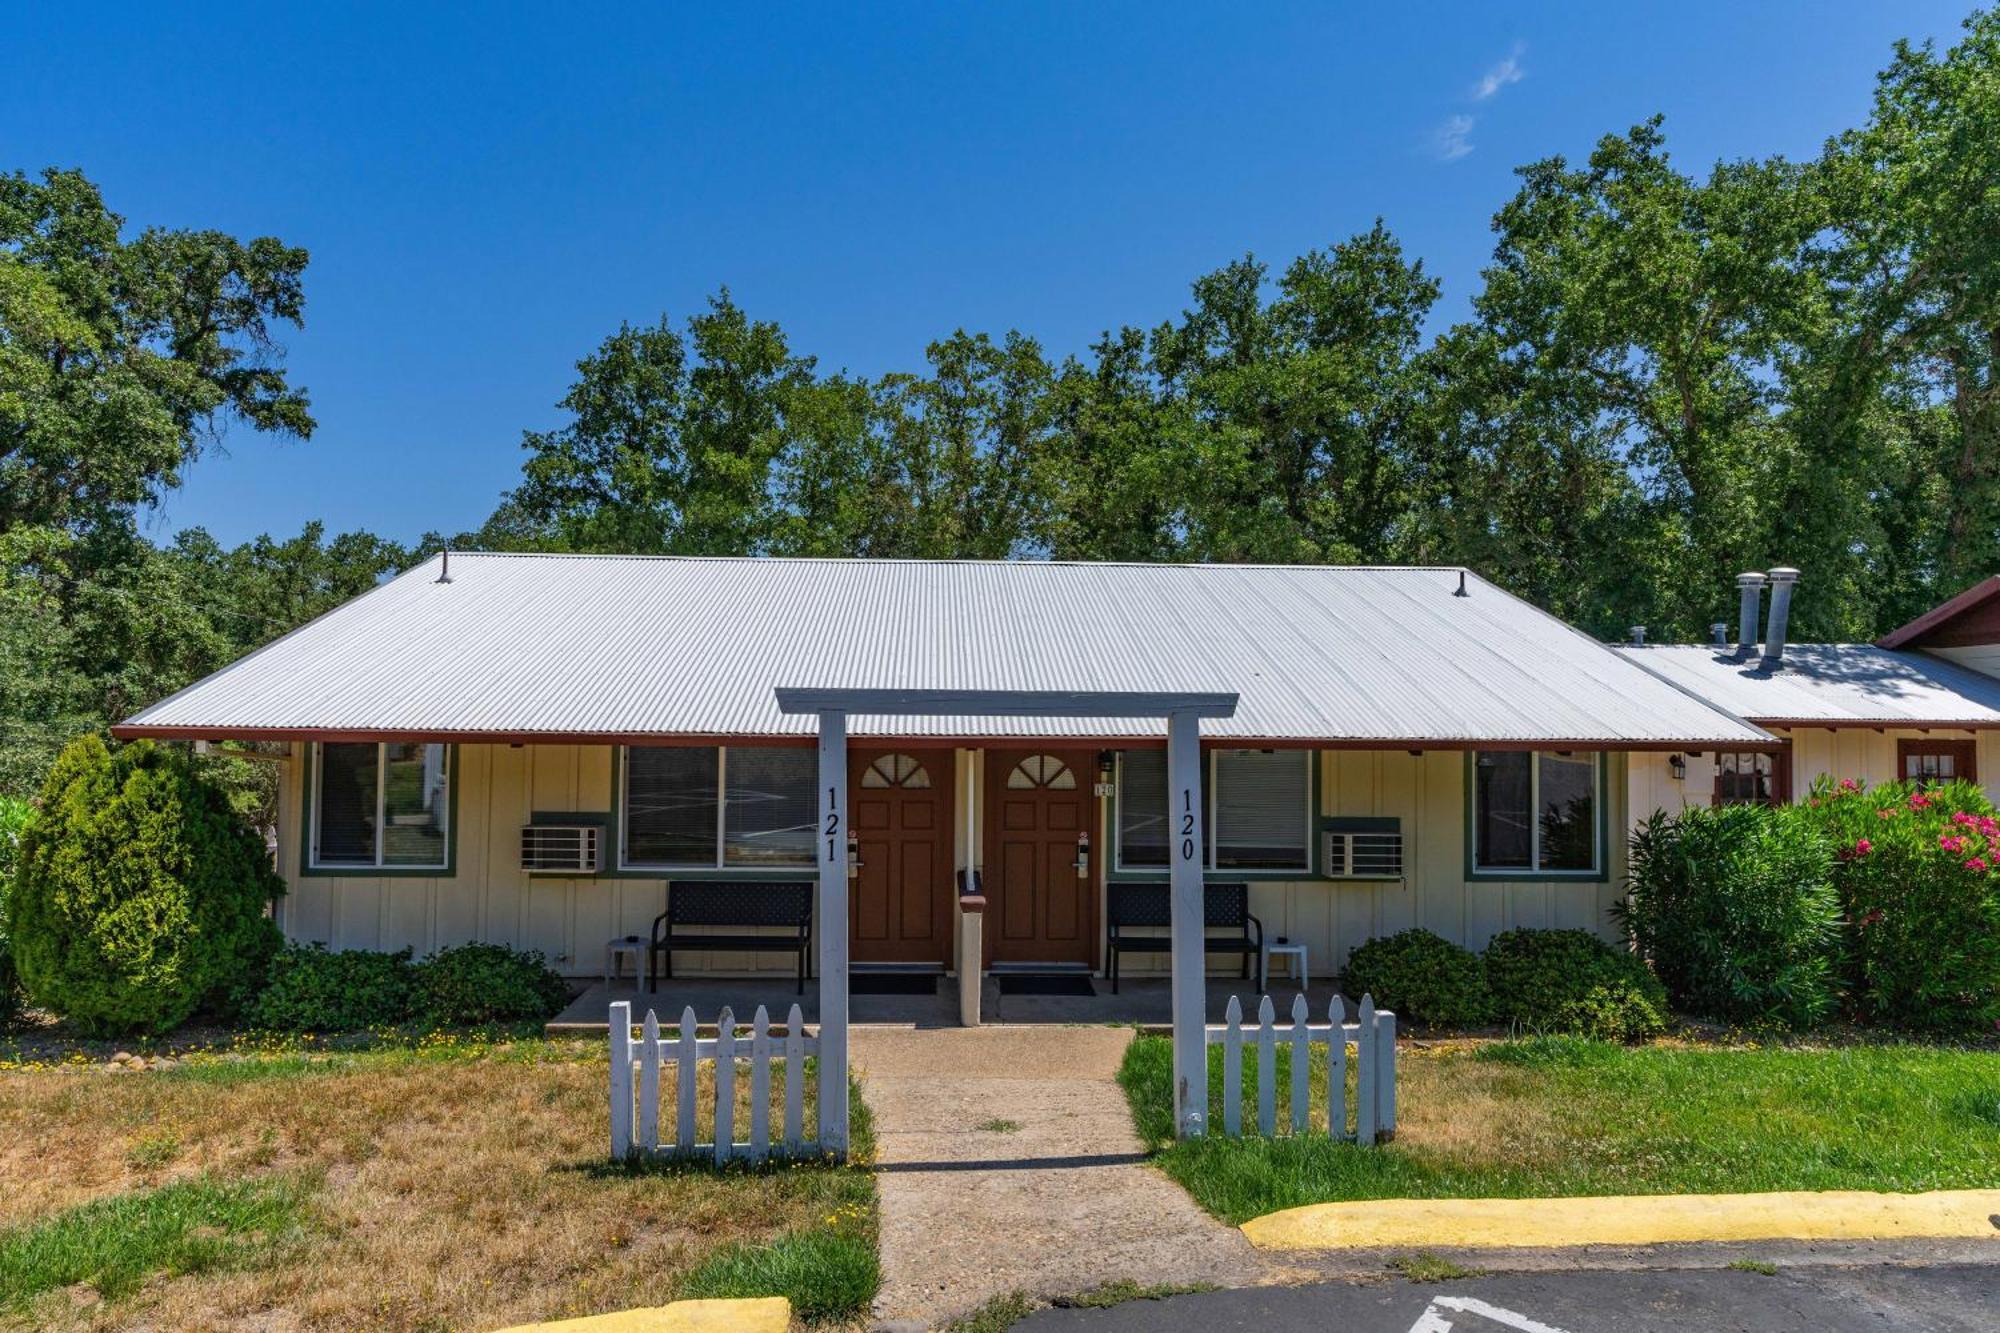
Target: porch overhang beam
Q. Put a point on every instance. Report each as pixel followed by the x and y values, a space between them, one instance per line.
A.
pixel 1006 703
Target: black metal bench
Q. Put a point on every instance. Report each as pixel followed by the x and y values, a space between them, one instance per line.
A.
pixel 768 905
pixel 1149 908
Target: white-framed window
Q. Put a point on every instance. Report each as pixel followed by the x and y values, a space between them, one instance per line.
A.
pixel 381 806
pixel 707 807
pixel 1536 812
pixel 1256 807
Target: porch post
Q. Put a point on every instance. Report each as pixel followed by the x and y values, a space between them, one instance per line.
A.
pixel 1190 962
pixel 832 933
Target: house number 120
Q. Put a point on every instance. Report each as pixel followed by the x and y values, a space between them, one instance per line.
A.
pixel 1187 825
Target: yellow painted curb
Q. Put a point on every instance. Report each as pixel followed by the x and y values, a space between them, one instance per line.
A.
pixel 767 1314
pixel 1628 1220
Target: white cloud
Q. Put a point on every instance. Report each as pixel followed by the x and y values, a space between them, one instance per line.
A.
pixel 1453 138
pixel 1506 72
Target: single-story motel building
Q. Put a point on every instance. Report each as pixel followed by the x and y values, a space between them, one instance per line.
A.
pixel 529 749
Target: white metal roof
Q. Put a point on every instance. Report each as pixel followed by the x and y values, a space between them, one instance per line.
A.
pixel 586 647
pixel 1830 684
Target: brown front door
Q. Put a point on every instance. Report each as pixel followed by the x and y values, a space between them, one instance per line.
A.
pixel 899 903
pixel 1039 909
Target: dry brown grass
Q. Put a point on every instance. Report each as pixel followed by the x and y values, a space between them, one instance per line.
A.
pixel 454 1191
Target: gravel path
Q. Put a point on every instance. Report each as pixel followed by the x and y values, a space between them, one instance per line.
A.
pixel 1061 1203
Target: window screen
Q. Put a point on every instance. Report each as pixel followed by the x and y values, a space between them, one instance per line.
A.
pixel 670 805
pixel 345 832
pixel 771 806
pixel 1261 809
pixel 1503 799
pixel 1142 809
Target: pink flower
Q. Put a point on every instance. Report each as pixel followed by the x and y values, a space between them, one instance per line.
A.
pixel 1964 820
pixel 1918 800
pixel 1989 826
pixel 1976 863
pixel 1870 919
pixel 1950 843
pixel 1886 814
pixel 1849 784
pixel 1863 847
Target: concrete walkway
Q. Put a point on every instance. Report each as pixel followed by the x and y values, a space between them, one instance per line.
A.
pixel 1059 1205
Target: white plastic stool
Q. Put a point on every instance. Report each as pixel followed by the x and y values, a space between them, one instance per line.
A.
pixel 1296 952
pixel 625 946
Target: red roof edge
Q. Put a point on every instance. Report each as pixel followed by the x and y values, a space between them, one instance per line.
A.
pixel 1977 595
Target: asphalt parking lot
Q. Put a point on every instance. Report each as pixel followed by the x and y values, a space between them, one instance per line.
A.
pixel 1878 1298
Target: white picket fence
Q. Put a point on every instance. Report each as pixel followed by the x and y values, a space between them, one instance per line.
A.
pixel 1373 1036
pixel 636 1123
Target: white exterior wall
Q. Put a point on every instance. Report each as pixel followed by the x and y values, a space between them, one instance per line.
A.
pixel 1860 753
pixel 498 788
pixel 1427 792
pixel 1984 657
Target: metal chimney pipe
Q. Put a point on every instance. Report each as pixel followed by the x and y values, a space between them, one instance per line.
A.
pixel 1638 636
pixel 1719 633
pixel 1782 580
pixel 1751 588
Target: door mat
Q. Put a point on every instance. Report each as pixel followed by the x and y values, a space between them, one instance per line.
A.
pixel 891 983
pixel 1045 983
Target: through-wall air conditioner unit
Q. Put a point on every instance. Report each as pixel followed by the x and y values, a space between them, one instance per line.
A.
pixel 562 849
pixel 1361 848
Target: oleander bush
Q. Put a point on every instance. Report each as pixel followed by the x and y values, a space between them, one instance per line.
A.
pixel 488 983
pixel 310 988
pixel 1423 977
pixel 140 895
pixel 1917 871
pixel 1572 983
pixel 1736 911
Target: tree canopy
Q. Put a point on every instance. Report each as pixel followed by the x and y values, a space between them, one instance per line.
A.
pixel 1666 375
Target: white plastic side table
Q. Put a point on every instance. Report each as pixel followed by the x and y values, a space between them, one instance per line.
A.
pixel 1296 952
pixel 625 946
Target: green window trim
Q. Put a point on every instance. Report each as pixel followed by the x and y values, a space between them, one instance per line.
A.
pixel 309 818
pixel 1600 874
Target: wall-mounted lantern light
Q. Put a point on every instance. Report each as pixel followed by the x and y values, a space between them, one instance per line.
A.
pixel 1678 767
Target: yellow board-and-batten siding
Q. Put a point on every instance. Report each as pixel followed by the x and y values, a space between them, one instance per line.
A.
pixel 501 787
pixel 1863 754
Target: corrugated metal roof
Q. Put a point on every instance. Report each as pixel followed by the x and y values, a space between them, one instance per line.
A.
pixel 1831 683
pixel 632 646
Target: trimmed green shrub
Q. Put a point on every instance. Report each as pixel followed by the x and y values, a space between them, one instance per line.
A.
pixel 13 818
pixel 1571 982
pixel 1918 872
pixel 488 983
pixel 1423 977
pixel 1736 911
pixel 310 989
pixel 140 895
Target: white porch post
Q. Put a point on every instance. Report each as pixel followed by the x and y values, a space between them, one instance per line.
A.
pixel 832 932
pixel 1190 961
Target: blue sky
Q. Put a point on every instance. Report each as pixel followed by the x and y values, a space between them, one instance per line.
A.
pixel 488 192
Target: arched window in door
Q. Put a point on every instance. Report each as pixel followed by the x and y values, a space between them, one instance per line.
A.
pixel 897 770
pixel 1042 770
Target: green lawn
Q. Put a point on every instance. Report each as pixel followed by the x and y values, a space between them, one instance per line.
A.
pixel 1554 1116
